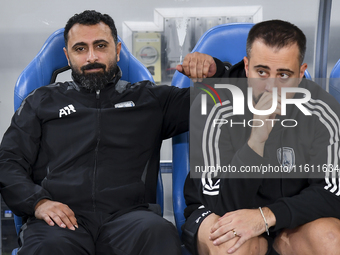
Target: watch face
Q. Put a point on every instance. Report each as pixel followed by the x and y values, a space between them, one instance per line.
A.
pixel 148 55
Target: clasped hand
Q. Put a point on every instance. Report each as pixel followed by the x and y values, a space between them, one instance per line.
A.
pixel 244 224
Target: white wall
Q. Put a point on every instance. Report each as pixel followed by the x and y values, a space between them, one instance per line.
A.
pixel 25 25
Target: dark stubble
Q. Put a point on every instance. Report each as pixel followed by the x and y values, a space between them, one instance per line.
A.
pixel 94 81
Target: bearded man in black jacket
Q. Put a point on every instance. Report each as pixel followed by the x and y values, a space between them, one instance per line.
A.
pixel 80 159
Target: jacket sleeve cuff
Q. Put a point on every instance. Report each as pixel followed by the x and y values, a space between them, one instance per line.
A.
pixel 282 215
pixel 220 68
pixel 37 201
pixel 191 226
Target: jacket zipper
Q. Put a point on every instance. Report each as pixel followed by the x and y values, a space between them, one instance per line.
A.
pixel 96 152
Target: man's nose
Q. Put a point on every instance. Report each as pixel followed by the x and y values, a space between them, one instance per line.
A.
pixel 270 84
pixel 91 56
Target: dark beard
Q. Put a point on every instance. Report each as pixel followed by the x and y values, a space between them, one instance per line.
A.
pixel 94 81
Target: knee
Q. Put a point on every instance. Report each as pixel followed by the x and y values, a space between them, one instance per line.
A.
pixel 52 242
pixel 324 234
pixel 157 226
pixel 254 246
pixel 159 236
pixel 60 244
pixel 159 229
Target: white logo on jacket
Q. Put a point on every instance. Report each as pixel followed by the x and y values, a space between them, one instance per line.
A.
pixel 125 104
pixel 67 110
pixel 286 157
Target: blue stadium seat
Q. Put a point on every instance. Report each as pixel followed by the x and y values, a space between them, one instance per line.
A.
pixel 51 58
pixel 334 81
pixel 226 42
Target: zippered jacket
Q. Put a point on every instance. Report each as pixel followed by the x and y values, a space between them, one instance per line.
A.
pixel 94 151
pixel 311 145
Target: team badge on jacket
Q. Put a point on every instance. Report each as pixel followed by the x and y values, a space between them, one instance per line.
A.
pixel 125 104
pixel 286 157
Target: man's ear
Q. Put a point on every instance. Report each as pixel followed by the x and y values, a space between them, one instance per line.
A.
pixel 118 48
pixel 303 68
pixel 246 65
pixel 66 54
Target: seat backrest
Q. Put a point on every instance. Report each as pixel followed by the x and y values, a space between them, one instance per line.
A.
pixel 51 57
pixel 226 42
pixel 334 81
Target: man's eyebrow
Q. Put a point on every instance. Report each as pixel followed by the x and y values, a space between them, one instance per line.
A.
pixel 262 66
pixel 278 70
pixel 100 41
pixel 84 44
pixel 285 70
pixel 79 44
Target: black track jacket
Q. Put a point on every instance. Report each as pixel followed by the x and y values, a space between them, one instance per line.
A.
pixel 314 141
pixel 94 151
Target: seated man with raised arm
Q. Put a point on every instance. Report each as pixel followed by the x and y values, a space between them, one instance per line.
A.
pixel 85 181
pixel 235 212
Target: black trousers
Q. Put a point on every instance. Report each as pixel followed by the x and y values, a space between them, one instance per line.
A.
pixel 136 232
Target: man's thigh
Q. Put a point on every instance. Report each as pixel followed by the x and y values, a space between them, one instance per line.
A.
pixel 321 236
pixel 138 232
pixel 256 245
pixel 37 237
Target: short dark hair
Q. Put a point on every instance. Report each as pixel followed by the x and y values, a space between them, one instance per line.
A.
pixel 90 18
pixel 279 34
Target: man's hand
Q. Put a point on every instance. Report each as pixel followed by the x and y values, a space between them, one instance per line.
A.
pixel 197 66
pixel 55 213
pixel 245 223
pixel 260 134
